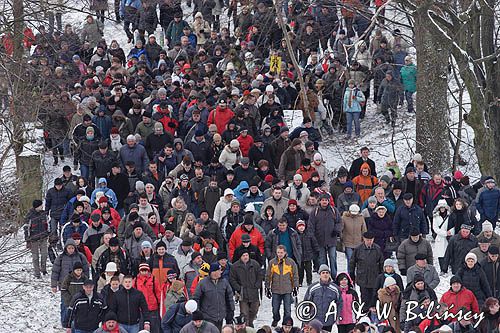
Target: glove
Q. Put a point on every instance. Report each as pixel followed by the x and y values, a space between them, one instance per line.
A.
pixel 403 271
pixel 269 294
pixel 295 292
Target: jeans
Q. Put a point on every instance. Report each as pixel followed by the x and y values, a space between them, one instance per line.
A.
pixel 409 100
pixel 350 117
pixel 348 254
pixel 85 171
pixel 64 312
pixel 287 304
pixel 131 328
pixel 39 249
pixel 331 251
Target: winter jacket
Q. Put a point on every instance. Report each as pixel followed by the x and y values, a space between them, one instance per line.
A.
pixel 354 227
pixel 63 265
pixel 381 228
pixel 55 201
pixel 69 229
pixel 440 227
pixel 256 239
pixel 408 218
pixel 366 264
pixel 431 276
pixel 293 217
pixel 129 305
pixel 273 240
pixel 85 313
pixel 280 206
pixel 409 77
pixel 246 280
pixel 289 163
pixel 363 185
pixel 100 164
pixel 379 283
pixel 323 294
pixel 175 318
pixel 256 199
pixel 492 271
pixel 475 280
pixel 36 225
pixel 345 200
pixel 71 286
pixel 92 33
pixel 282 276
pixel 120 258
pixel 228 158
pixel 150 288
pixel 326 225
pixel 291 192
pixel 161 265
pixel 229 224
pixel 136 154
pixel 120 185
pixel 84 151
pixel 464 298
pixel 488 204
pixel 220 117
pixel 109 193
pixel 278 147
pixel 215 299
pixel 490 322
pixel 408 249
pixel 353 100
pixel 388 92
pixel 133 245
pixel 430 195
pixel 92 236
pixel 457 249
pixel 391 298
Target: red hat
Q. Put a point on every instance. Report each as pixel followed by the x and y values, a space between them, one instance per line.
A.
pixel 186 66
pixel 103 199
pixel 292 202
pixel 458 175
pixel 268 178
pixel 246 93
pixel 89 82
pixel 76 236
pixel 114 130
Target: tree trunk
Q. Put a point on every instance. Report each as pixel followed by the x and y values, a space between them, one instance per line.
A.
pixel 432 84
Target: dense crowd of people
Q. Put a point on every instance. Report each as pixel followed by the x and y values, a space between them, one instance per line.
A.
pixel 194 200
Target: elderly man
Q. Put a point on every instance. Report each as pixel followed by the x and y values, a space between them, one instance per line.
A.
pixel 382 200
pixel 409 216
pixel 136 153
pixel 431 276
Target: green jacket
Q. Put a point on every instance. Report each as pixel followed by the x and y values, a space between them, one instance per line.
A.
pixel 409 77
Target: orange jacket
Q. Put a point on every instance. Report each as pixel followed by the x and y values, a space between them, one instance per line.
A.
pixel 364 185
pixel 306 174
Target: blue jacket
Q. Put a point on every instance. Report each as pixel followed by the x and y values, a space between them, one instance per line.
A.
pixel 67 211
pixel 237 191
pixel 55 201
pixel 104 124
pixel 323 294
pixel 488 204
pixel 257 200
pixel 136 154
pixel 407 218
pixel 175 318
pixel 109 193
pixel 129 3
pixel 355 103
pixel 68 229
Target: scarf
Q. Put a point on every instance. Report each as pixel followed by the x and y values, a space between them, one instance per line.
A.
pixel 298 191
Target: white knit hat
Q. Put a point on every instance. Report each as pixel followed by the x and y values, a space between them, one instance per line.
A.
pixel 472 256
pixel 487 226
pixel 389 281
pixel 191 306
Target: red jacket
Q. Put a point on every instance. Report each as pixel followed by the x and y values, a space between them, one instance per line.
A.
pixel 464 298
pixel 157 228
pixel 306 174
pixel 151 290
pixel 255 239
pixel 83 249
pixel 170 124
pixel 115 217
pixel 220 117
pixel 245 144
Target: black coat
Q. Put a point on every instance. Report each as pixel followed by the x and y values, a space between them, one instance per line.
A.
pixel 379 284
pixel 456 251
pixel 86 314
pixel 407 218
pixel 101 165
pixel 310 248
pixel 356 167
pixel 120 185
pixel 292 218
pixel 492 271
pixel 476 281
pixel 129 305
pixel 36 225
pixel 366 264
pixel 246 279
pixel 56 200
pixel 272 242
pixel 253 251
pixel 255 155
pixel 105 258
